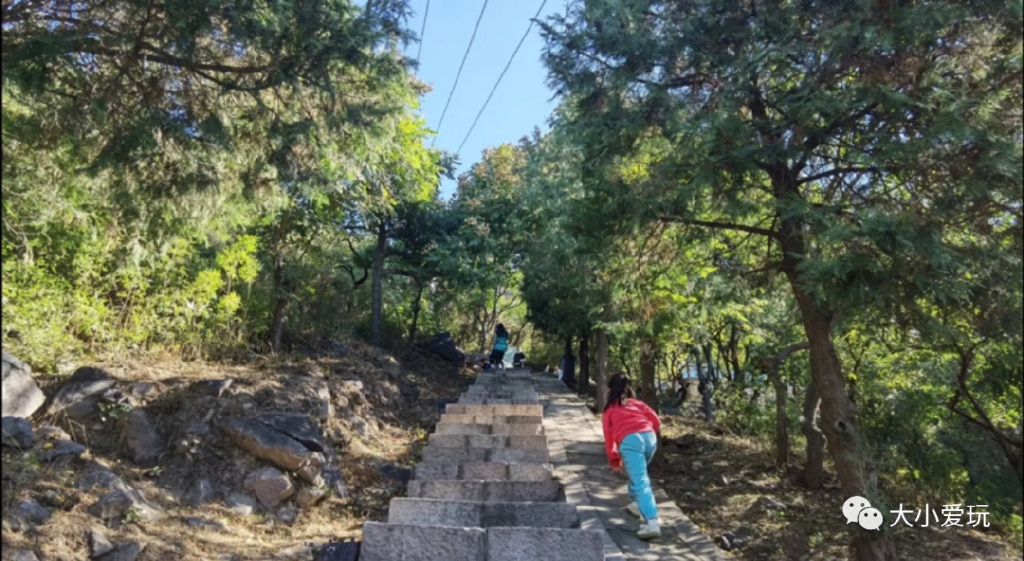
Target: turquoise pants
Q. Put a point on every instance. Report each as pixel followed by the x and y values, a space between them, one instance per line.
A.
pixel 637 450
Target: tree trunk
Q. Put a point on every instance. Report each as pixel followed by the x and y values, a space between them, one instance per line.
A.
pixel 838 414
pixel 584 363
pixel 648 391
pixel 377 296
pixel 602 369
pixel 708 391
pixel 734 356
pixel 570 364
pixel 416 304
pixel 772 366
pixel 814 468
pixel 281 302
pixel 781 419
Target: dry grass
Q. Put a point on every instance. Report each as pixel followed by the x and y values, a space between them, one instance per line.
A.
pixel 401 410
pixel 810 528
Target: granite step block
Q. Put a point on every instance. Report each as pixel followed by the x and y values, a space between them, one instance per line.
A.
pixel 438 512
pixel 493 471
pixel 486 491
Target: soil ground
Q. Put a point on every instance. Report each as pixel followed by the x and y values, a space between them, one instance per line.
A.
pixel 716 478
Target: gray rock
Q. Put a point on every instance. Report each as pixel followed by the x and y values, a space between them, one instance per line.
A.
pixel 214 388
pixel 270 485
pixel 123 552
pixel 396 473
pixel 98 543
pixel 63 450
pixel 197 522
pixel 50 432
pixel 100 479
pixel 118 502
pixel 28 514
pixel 335 481
pixel 287 514
pixel 444 346
pixel 83 410
pixel 86 382
pixel 299 427
pixel 361 427
pixel 141 389
pixel 23 555
pixel 140 437
pixel 322 401
pixel 21 395
pixel 201 492
pixel 309 496
pixel 347 550
pixel 767 503
pixel 17 433
pixel 272 445
pixel 240 503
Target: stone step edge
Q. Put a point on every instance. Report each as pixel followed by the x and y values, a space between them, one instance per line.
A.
pixel 387 542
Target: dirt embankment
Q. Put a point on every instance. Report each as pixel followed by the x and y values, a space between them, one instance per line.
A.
pixel 150 463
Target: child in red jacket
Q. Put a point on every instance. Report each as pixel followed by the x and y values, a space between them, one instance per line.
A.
pixel 630 439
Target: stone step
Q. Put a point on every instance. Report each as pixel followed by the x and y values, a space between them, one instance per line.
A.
pixel 489 428
pixel 523 441
pixel 408 542
pixel 486 401
pixel 436 512
pixel 486 491
pixel 457 455
pixel 481 409
pixel 489 471
pixel 491 419
pixel 495 401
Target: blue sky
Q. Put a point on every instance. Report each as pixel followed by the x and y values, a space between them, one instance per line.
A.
pixel 522 100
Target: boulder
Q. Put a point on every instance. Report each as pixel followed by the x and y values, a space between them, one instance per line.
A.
pixel 50 432
pixel 98 543
pixel 119 501
pixel 214 388
pixel 28 514
pixel 270 485
pixel 123 552
pixel 100 480
pixel 322 400
pixel 309 496
pixel 444 346
pixel 84 384
pixel 299 427
pixel 21 395
pixel 62 450
pixel 23 555
pixel 17 433
pixel 199 493
pixel 240 503
pixel 140 437
pixel 279 448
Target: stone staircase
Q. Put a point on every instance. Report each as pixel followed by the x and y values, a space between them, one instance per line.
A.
pixel 485 490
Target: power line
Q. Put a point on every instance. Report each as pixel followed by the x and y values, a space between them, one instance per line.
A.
pixel 419 50
pixel 507 65
pixel 459 73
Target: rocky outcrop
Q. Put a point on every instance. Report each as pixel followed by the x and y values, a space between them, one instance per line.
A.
pixel 270 485
pixel 444 346
pixel 288 441
pixel 79 396
pixel 17 433
pixel 140 437
pixel 21 395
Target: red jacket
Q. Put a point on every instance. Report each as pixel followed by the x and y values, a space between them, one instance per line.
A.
pixel 620 421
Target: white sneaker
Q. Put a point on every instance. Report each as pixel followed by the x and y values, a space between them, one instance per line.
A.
pixel 649 530
pixel 634 509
